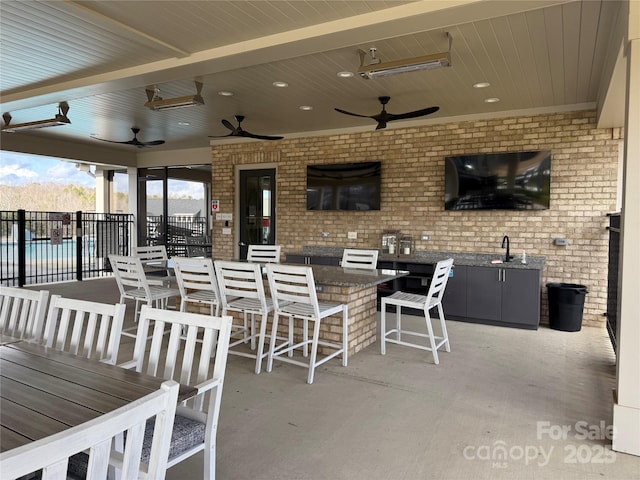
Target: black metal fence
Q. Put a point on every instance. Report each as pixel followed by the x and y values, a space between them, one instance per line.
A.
pixel 177 233
pixel 43 247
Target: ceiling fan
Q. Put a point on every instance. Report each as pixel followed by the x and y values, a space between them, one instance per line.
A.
pixel 239 132
pixel 134 141
pixel 383 117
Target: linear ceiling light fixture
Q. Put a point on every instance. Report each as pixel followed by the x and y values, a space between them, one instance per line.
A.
pixel 157 103
pixel 60 119
pixel 377 69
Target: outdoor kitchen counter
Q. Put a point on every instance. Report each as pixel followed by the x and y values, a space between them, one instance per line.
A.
pixel 432 257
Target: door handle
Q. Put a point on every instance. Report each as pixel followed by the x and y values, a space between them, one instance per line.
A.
pixel 242 244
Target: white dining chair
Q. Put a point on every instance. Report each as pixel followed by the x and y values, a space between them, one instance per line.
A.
pixel 357 258
pixel 264 253
pixel 50 456
pixel 433 299
pixel 84 328
pixel 242 290
pixel 134 285
pixel 22 312
pixel 186 357
pixel 149 254
pixel 293 291
pixel 197 283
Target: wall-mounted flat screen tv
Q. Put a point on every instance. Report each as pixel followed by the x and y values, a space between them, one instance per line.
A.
pixel 344 186
pixel 498 181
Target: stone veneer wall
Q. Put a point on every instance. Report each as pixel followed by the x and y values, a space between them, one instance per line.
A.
pixel 583 190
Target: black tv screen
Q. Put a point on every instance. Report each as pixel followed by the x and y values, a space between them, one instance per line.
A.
pixel 344 186
pixel 498 181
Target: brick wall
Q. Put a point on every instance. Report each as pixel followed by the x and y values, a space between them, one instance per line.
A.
pixel 583 190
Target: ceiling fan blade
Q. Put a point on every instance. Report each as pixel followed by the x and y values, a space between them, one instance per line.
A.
pixel 134 141
pixel 384 117
pixel 244 133
pixel 239 132
pixel 230 126
pixel 414 114
pixel 353 114
pixel 110 141
pixel 223 136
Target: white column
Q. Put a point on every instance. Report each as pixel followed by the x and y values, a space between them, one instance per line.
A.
pixel 132 173
pixel 102 191
pixel 626 408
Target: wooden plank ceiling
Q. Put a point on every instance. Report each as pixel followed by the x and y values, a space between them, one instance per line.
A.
pixel 100 57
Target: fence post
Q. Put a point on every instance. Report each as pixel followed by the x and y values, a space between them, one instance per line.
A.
pixel 22 245
pixel 79 243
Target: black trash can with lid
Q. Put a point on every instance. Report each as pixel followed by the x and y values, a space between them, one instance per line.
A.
pixel 566 303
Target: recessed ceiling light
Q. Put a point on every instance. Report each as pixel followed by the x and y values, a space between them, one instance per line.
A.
pixel 481 85
pixel 491 100
pixel 345 74
pixel 280 84
pixel 306 108
pixel 225 93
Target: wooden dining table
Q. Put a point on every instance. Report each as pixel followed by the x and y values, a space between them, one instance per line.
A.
pixel 45 391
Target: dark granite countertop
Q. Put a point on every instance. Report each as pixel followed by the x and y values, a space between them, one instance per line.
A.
pixel 353 277
pixel 428 257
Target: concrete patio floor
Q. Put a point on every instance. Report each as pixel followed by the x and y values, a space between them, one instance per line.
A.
pixel 504 404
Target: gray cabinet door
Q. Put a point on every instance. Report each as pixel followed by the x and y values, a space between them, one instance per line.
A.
pixel 484 292
pixel 293 258
pixel 521 297
pixel 454 301
pixel 321 260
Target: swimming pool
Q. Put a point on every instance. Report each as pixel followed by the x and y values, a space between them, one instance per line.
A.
pixel 43 249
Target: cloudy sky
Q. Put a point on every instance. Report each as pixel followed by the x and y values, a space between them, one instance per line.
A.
pixel 19 169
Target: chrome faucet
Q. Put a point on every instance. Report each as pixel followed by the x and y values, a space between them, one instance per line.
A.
pixel 505 242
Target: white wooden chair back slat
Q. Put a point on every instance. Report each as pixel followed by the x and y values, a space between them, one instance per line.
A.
pixel 85 328
pixel 149 253
pixel 22 312
pixel 51 453
pixel 264 253
pixel 357 258
pixel 197 282
pixel 439 281
pixel 239 279
pixel 195 355
pixel 293 284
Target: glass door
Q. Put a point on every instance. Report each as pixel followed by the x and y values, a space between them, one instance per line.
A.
pixel 152 206
pixel 257 209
